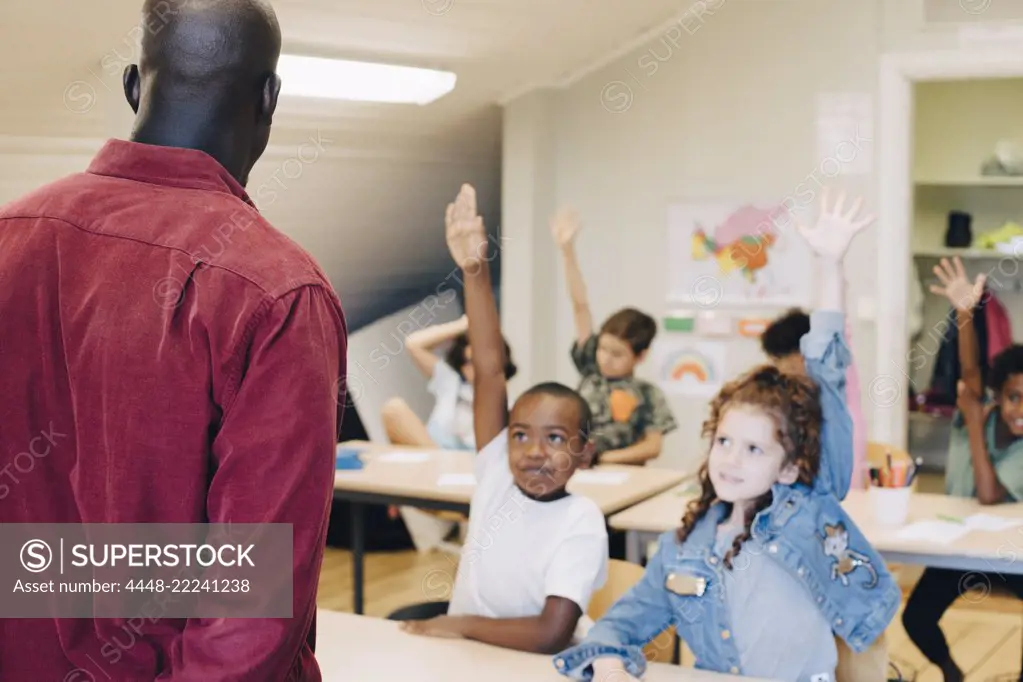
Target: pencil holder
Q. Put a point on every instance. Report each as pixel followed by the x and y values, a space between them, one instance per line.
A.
pixel 890 505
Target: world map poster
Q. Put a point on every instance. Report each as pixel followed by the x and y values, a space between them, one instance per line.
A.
pixel 736 253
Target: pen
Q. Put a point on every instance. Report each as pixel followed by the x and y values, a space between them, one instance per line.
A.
pixel 917 463
pixel 951 519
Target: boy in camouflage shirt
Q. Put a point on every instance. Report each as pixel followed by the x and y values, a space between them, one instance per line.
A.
pixel 630 416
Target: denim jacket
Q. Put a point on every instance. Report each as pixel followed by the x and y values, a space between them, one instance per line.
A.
pixel 804 528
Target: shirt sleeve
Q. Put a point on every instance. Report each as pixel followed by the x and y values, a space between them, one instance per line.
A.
pixel 585 356
pixel 493 454
pixel 661 417
pixel 827 360
pixel 445 380
pixel 634 620
pixel 1010 471
pixel 273 462
pixel 579 566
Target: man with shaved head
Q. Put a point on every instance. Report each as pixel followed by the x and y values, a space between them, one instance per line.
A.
pixel 169 357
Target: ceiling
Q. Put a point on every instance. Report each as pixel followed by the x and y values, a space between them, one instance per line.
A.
pixel 63 53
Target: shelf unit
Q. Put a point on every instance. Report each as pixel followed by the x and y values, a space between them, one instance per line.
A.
pixel 965 254
pixel 993 181
pixel 957 128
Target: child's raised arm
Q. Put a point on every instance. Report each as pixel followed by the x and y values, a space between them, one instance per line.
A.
pixel 564 228
pixel 964 296
pixel 467 241
pixel 421 343
pixel 824 348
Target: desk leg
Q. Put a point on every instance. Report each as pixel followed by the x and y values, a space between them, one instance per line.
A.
pixel 358 553
pixel 633 553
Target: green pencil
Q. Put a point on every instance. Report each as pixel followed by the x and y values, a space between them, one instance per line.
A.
pixel 952 519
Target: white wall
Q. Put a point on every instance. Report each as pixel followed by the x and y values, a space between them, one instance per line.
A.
pixel 723 107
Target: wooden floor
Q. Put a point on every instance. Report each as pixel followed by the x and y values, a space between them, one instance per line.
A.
pixel 986 637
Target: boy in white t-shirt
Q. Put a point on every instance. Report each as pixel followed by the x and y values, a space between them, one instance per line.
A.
pixel 534 553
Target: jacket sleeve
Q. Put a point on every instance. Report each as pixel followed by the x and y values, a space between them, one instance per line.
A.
pixel 634 620
pixel 827 360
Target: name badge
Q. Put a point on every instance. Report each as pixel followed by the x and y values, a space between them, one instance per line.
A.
pixel 685 585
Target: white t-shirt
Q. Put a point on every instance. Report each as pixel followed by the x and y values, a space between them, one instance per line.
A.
pixel 519 551
pixel 451 422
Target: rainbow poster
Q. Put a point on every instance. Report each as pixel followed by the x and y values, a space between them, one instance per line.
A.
pixel 694 368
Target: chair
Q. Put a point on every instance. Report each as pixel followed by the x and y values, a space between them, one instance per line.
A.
pixel 621 576
pixel 871 665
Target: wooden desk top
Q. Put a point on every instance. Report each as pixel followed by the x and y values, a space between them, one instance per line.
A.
pixel 663 512
pixel 419 479
pixel 994 545
pixel 659 513
pixel 353 648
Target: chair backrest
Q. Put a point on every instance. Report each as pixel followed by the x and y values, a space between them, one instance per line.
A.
pixel 871 665
pixel 621 576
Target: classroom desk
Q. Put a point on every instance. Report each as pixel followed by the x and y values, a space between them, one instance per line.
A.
pixel 983 551
pixel 352 648
pixel 415 484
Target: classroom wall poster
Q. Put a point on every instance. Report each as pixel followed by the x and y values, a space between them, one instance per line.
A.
pixel 736 253
pixel 690 368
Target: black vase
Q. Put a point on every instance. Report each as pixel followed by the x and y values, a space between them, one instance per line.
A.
pixel 958 235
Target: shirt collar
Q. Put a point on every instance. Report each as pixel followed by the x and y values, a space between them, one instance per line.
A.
pixel 169 166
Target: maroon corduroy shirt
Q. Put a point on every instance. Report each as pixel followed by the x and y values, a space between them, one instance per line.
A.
pixel 166 356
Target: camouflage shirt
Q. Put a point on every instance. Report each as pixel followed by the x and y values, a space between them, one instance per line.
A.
pixel 623 409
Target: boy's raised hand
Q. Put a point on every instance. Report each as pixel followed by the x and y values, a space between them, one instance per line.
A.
pixel 960 292
pixel 835 229
pixel 565 226
pixel 467 240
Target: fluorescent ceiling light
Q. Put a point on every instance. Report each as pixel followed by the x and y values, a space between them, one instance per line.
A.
pixel 361 81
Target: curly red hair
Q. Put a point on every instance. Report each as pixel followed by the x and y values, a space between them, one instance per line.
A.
pixel 793 403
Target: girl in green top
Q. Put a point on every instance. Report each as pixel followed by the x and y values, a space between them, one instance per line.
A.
pixel 985 460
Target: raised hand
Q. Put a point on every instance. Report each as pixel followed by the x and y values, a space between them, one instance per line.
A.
pixel 565 226
pixel 835 230
pixel 960 292
pixel 467 240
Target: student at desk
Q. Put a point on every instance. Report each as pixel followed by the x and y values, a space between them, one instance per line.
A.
pixel 766 565
pixel 534 553
pixel 985 460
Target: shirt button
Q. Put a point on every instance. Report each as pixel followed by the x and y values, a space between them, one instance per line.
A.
pixel 773 549
pixel 560 663
pixel 820 600
pixel 734 670
pixel 725 634
pixel 713 561
pixel 838 621
pixel 801 570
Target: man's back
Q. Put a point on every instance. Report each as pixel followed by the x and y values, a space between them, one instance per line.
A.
pixel 167 357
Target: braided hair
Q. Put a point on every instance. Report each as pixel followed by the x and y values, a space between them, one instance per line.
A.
pixel 793 404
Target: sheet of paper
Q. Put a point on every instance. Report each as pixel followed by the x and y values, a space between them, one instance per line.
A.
pixel 457 479
pixel 845 133
pixel 991 522
pixel 404 457
pixel 934 532
pixel 600 477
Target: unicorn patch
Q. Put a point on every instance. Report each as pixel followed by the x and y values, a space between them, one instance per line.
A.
pixel 836 546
